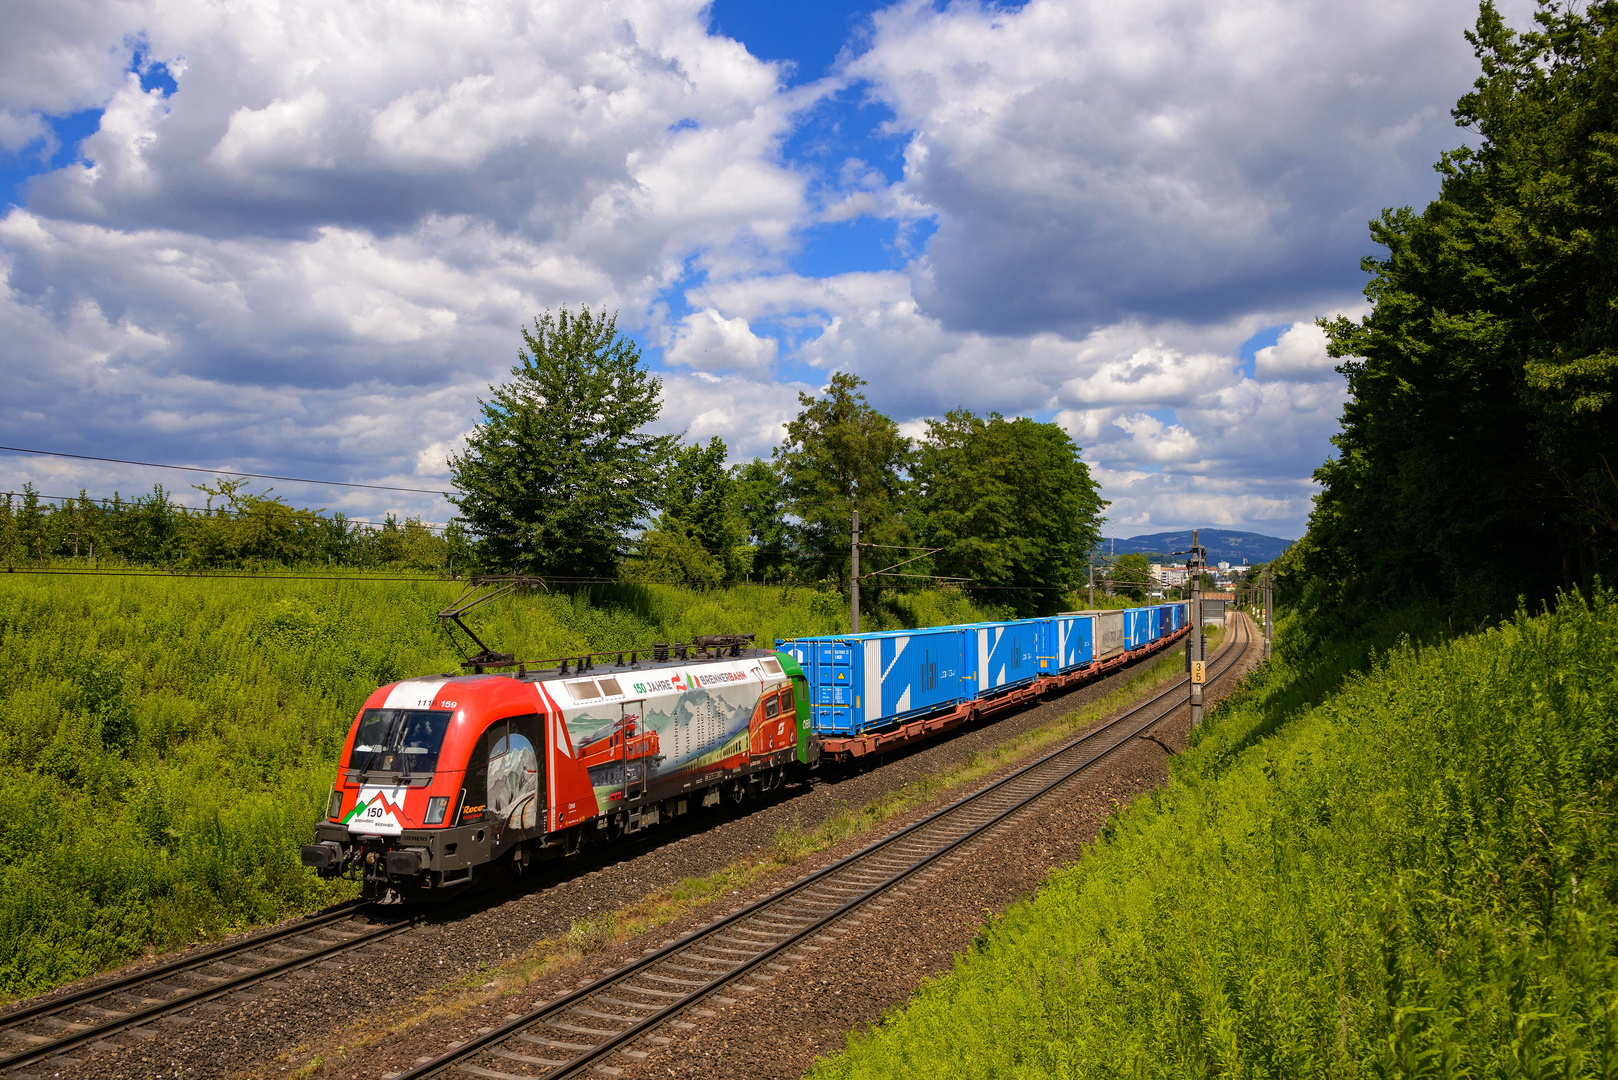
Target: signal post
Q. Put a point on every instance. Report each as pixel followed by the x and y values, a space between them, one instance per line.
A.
pixel 1195 654
pixel 1269 612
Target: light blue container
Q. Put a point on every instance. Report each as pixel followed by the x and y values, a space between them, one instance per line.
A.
pixel 1137 625
pixel 864 682
pixel 1006 654
pixel 1071 642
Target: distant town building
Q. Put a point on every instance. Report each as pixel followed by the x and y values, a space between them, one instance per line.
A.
pixel 1167 576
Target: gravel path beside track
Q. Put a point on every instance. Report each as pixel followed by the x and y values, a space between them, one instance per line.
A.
pixel 267 1029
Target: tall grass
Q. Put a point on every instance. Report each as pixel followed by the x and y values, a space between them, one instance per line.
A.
pixel 166 744
pixel 1411 877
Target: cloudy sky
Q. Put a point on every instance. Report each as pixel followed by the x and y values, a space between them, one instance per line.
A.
pixel 299 237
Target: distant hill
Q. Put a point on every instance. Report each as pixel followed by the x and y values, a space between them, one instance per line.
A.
pixel 1224 545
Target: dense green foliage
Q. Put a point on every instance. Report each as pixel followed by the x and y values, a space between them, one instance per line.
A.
pixel 1407 872
pixel 701 536
pixel 561 465
pixel 167 744
pixel 1007 506
pixel 235 528
pixel 1479 447
pixel 841 455
pixel 1010 503
pixel 761 505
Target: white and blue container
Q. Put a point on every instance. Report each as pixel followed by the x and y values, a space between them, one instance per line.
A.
pixel 861 682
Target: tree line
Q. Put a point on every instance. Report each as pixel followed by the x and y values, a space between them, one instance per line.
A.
pixel 234 529
pixel 1476 460
pixel 563 479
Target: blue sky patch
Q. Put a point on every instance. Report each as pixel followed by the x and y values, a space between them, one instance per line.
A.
pixel 18 167
pixel 1261 340
pixel 810 35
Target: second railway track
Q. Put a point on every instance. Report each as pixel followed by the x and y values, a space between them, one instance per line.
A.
pixel 603 1020
pixel 59 1023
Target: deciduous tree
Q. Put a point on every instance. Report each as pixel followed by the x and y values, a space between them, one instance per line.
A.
pixel 1011 503
pixel 561 465
pixel 841 455
pixel 1477 448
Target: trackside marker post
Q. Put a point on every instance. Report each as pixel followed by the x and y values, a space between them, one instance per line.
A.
pixel 1193 569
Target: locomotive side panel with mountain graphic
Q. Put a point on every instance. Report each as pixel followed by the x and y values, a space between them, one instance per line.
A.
pixel 664 731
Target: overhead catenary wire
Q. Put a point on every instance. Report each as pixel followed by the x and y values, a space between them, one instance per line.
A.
pixel 623 542
pixel 223 472
pixel 359 575
pixel 596 540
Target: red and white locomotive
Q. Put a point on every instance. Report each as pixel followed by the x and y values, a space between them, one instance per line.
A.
pixel 443 779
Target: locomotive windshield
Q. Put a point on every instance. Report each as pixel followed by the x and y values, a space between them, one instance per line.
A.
pixel 399 740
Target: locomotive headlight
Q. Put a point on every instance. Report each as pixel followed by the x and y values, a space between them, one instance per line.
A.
pixel 437 807
pixel 334 805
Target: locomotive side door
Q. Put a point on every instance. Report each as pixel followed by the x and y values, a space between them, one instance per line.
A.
pixel 636 756
pixel 505 778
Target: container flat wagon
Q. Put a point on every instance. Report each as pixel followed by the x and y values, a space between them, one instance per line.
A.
pixel 875 692
pixel 446 780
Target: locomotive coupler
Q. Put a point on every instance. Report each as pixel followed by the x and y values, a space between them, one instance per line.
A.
pixel 374 868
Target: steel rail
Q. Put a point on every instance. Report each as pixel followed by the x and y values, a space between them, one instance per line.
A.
pixel 678 987
pixel 48 1004
pixel 12 1024
pixel 51 1006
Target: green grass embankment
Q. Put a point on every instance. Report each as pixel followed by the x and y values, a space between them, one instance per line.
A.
pixel 1403 872
pixel 166 744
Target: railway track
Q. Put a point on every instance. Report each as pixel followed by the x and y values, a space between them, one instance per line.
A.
pixel 59 1023
pixel 604 1019
pixel 56 1024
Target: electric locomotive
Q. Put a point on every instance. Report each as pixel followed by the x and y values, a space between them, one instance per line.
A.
pixel 443 781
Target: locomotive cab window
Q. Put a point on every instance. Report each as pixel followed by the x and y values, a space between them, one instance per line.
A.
pixel 786 700
pixel 772 707
pixel 399 740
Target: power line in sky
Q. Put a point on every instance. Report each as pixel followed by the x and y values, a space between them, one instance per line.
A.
pixel 223 472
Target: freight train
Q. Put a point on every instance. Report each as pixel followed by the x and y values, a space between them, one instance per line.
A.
pixel 448 780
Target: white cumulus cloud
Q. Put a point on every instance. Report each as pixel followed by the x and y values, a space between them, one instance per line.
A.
pixel 1300 353
pixel 1089 161
pixel 705 341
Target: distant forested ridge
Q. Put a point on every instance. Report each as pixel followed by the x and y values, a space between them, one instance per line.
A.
pixel 1224 545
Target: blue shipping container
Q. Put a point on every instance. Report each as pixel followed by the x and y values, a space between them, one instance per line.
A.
pixel 1074 640
pixel 862 682
pixel 1135 626
pixel 1006 653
